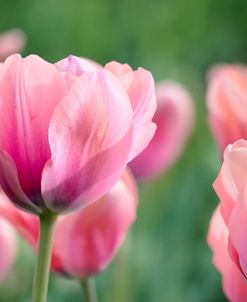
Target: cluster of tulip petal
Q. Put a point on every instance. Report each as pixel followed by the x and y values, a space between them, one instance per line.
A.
pixel 69 131
pixel 227 100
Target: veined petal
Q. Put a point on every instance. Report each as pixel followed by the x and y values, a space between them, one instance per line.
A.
pixel 90 136
pixel 30 89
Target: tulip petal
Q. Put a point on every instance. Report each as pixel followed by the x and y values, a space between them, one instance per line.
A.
pixel 30 90
pixel 91 236
pixel 139 85
pixel 76 65
pixel 234 283
pixel 73 67
pixel 90 137
pixel 174 118
pixel 238 229
pixel 11 186
pixel 232 176
pixel 226 98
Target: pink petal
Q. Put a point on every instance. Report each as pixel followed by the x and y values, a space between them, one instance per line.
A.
pixel 174 118
pixel 72 67
pixel 238 229
pixel 76 65
pixel 234 283
pixel 231 178
pixel 10 184
pixel 226 98
pixel 139 85
pixel 91 236
pixel 30 89
pixel 90 137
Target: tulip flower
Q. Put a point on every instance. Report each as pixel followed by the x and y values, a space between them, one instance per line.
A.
pixel 174 118
pixel 8 247
pixel 233 282
pixel 69 129
pixel 231 188
pixel 11 41
pixel 227 100
pixel 85 241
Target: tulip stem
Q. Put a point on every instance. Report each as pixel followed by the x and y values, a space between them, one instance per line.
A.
pixel 89 289
pixel 43 260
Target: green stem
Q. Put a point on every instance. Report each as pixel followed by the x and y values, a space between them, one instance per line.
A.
pixel 43 260
pixel 89 288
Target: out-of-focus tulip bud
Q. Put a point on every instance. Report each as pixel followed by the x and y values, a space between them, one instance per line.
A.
pixel 174 118
pixel 8 247
pixel 233 281
pixel 226 101
pixel 85 241
pixel 69 130
pixel 11 41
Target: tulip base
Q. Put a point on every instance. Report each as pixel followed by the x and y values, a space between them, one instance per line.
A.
pixel 43 260
pixel 89 289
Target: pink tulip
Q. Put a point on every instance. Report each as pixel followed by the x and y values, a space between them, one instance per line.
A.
pixel 231 188
pixel 8 247
pixel 174 118
pixel 227 100
pixel 69 130
pixel 11 41
pixel 86 240
pixel 233 282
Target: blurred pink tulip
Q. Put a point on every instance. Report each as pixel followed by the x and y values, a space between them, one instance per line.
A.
pixel 174 118
pixel 69 130
pixel 233 282
pixel 231 188
pixel 227 100
pixel 8 247
pixel 11 41
pixel 86 240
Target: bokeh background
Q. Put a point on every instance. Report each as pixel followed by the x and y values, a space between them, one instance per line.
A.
pixel 165 257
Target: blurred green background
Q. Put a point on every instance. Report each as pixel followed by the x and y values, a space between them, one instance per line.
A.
pixel 165 257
